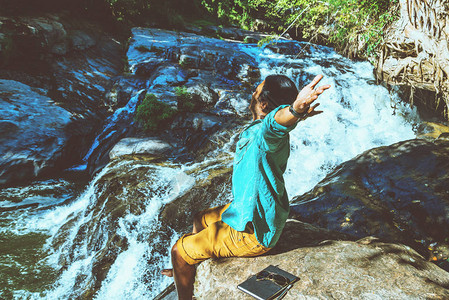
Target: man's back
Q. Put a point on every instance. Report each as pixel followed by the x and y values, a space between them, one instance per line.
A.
pixel 259 192
pixel 257 181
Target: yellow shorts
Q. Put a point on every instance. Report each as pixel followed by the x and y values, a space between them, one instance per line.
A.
pixel 218 239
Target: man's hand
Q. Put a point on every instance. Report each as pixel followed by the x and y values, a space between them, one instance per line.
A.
pixel 308 95
pixel 302 103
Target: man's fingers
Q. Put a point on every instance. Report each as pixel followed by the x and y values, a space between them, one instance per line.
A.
pixel 322 88
pixel 315 81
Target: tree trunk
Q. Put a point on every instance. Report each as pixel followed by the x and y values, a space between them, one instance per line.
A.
pixel 415 52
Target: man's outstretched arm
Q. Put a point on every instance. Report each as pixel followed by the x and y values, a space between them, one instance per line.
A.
pixel 303 103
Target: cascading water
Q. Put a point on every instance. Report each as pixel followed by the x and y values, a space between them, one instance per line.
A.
pixel 122 116
pixel 76 231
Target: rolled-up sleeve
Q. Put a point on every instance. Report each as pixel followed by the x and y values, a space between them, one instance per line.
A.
pixel 274 133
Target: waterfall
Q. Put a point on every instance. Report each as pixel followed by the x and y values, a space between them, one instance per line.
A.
pixel 121 116
pixel 357 115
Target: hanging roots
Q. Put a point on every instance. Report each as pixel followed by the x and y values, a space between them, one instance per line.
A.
pixel 416 51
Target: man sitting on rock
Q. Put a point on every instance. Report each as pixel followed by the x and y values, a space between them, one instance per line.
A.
pixel 251 224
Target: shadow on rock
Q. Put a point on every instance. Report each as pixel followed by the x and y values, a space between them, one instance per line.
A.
pixel 398 193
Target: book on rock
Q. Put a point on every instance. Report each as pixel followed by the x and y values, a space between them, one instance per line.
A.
pixel 270 283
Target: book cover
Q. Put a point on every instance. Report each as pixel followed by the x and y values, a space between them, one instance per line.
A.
pixel 268 283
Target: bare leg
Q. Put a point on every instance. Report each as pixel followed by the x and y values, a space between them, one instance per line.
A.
pixel 197 227
pixel 184 275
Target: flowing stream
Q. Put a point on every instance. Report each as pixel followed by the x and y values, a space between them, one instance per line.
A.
pixel 357 115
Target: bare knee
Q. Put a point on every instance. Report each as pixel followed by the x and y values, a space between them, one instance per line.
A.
pixel 175 251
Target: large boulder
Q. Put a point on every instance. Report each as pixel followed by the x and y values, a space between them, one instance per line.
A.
pixel 134 146
pixel 330 268
pixel 36 36
pixel 399 193
pixel 32 132
pixel 71 62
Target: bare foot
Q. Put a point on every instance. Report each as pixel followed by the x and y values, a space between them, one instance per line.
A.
pixel 167 272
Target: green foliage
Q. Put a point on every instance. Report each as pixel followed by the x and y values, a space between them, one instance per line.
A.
pixel 265 41
pixel 153 114
pixel 169 14
pixel 346 18
pixel 236 12
pixel 186 101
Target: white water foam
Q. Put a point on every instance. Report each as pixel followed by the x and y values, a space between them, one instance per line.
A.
pixel 125 278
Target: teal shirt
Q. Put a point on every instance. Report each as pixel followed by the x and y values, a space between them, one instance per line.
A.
pixel 257 180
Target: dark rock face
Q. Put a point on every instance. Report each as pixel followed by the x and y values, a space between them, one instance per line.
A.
pixel 397 193
pixel 330 268
pixel 33 132
pixel 70 62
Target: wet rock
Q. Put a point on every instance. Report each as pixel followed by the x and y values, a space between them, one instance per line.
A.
pixel 32 135
pixel 232 33
pixel 122 90
pixel 117 126
pixel 147 68
pixel 431 130
pixel 360 270
pixel 207 69
pixel 199 134
pixel 290 48
pixel 36 36
pixel 192 29
pixel 190 51
pixel 131 146
pixel 87 77
pixel 204 93
pixel 98 228
pixel 81 40
pixel 196 122
pixel 189 61
pixel 231 103
pixel 168 75
pixel 397 193
pixel 72 62
pixel 213 190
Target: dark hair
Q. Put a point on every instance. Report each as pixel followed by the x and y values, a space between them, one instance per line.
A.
pixel 278 90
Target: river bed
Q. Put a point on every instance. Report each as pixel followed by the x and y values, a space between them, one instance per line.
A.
pixel 357 115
